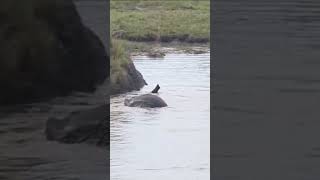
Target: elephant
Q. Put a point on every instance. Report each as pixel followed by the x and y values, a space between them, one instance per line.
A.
pixel 146 100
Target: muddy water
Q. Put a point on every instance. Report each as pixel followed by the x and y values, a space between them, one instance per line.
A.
pixel 165 143
pixel 25 154
pixel 266 90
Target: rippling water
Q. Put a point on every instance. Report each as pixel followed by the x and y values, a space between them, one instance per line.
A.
pixel 266 89
pixel 165 143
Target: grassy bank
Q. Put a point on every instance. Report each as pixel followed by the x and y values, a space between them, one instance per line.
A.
pixel 124 76
pixel 137 26
pixel 119 60
pixel 166 21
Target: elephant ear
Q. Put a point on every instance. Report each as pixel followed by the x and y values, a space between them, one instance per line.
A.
pixel 156 89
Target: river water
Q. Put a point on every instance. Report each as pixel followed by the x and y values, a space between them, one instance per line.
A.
pixel 266 89
pixel 164 143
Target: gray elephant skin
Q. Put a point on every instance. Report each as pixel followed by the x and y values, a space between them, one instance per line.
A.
pixel 146 100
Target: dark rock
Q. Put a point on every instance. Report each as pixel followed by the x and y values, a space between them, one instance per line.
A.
pixel 195 51
pixel 146 100
pixel 89 126
pixel 156 54
pixel 46 51
pixel 133 80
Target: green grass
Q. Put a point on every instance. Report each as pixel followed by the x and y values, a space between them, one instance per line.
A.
pixel 138 25
pixel 119 61
pixel 146 20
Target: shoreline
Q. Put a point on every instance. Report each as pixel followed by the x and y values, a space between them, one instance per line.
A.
pixel 136 48
pixel 125 77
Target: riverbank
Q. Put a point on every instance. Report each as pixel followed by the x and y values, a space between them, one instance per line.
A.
pixel 124 76
pixel 150 48
pixel 154 28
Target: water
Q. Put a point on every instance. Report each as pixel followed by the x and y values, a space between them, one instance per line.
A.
pixel 266 89
pixel 165 143
pixel 26 154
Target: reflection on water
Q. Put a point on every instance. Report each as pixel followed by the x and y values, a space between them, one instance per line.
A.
pixel 165 143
